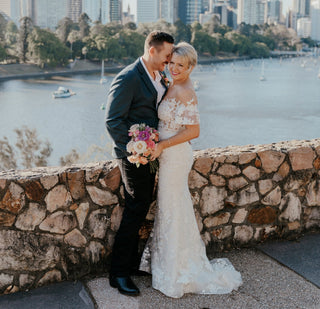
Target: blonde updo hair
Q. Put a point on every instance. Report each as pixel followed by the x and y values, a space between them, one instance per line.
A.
pixel 186 51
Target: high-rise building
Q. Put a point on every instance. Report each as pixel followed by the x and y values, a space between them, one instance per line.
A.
pixel 27 8
pixel 49 13
pixel 232 18
pixel 304 27
pixel 222 10
pixel 147 11
pixel 115 10
pixel 5 7
pixel 127 17
pixel 234 3
pixel 252 11
pixel 301 7
pixel 207 16
pixel 247 11
pixel 291 19
pixel 10 8
pixel 74 9
pixel 168 10
pixel 205 6
pixel 274 11
pixel 189 10
pixel 261 12
pixel 98 10
pixel 315 20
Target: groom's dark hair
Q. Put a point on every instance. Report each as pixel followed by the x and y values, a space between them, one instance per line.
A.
pixel 156 39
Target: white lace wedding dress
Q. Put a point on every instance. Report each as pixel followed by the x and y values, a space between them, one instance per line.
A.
pixel 178 257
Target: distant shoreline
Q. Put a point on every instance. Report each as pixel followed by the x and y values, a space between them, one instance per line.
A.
pixel 13 72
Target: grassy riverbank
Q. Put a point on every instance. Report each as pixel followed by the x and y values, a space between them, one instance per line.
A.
pixel 29 70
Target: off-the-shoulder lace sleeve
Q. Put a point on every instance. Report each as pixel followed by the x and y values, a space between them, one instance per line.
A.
pixel 187 113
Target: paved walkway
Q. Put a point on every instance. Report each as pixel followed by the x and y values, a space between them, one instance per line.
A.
pixel 266 284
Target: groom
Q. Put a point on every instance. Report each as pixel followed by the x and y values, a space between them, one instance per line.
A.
pixel 133 99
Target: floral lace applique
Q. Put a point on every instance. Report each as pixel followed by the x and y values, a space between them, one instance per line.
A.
pixel 174 114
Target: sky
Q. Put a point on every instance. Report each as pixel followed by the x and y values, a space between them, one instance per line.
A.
pixel 133 5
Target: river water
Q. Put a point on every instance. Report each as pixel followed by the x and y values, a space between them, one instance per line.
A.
pixel 236 108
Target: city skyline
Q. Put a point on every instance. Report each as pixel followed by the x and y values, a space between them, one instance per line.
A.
pixel 133 6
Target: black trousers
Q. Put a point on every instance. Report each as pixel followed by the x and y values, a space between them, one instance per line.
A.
pixel 138 189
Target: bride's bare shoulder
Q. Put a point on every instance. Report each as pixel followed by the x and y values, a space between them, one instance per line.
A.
pixel 186 96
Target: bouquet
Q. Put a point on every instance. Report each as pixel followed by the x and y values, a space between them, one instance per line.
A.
pixel 143 141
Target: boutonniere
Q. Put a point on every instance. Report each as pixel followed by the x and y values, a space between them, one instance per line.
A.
pixel 165 78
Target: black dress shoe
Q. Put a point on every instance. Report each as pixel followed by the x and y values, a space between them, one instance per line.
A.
pixel 125 285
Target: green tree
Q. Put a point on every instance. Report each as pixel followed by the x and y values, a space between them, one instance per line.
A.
pixel 73 36
pixel 182 32
pixel 212 25
pixel 225 45
pixel 269 41
pixel 12 34
pixel 3 53
pixel 98 29
pixel 241 44
pixel 284 38
pixel 259 50
pixel 164 26
pixel 223 29
pixel 247 29
pixel 132 43
pixel 130 26
pixel 204 43
pixel 145 28
pixel 26 26
pixel 84 27
pixel 309 42
pixel 47 49
pixel 113 28
pixel 64 28
pixel 196 26
pixel 3 25
pixel 114 49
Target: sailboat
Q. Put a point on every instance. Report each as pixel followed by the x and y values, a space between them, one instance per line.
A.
pixel 262 76
pixel 103 80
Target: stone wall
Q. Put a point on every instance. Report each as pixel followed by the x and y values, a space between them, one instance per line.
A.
pixel 59 223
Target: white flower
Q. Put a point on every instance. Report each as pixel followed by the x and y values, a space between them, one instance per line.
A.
pixel 134 128
pixel 130 147
pixel 140 147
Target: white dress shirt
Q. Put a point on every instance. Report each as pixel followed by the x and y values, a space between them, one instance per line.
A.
pixel 160 88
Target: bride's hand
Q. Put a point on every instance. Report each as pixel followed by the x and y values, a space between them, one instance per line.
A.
pixel 157 151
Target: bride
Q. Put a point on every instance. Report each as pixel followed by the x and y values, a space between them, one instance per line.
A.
pixel 178 257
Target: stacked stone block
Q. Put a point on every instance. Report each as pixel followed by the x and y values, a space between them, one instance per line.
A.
pixel 59 223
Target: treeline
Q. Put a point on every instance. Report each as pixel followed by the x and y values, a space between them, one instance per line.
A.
pixel 124 43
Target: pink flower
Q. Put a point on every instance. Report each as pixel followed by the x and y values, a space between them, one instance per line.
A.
pixel 151 144
pixel 144 135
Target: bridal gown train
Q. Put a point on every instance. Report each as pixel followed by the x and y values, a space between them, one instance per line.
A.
pixel 175 253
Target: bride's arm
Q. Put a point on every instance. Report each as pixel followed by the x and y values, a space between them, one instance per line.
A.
pixel 190 132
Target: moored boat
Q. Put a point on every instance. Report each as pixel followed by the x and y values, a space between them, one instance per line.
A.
pixel 62 92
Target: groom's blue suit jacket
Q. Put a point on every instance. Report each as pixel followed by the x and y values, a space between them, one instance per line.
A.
pixel 132 99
